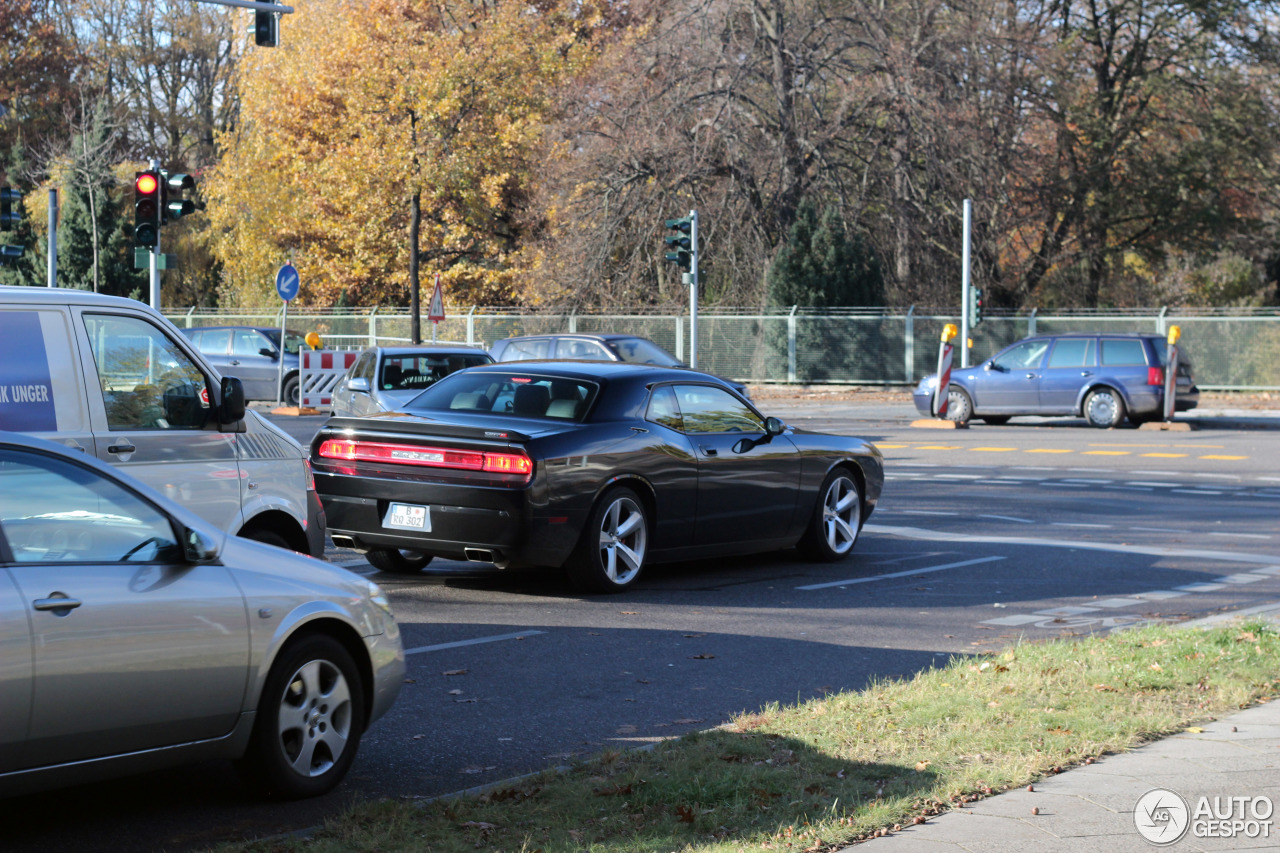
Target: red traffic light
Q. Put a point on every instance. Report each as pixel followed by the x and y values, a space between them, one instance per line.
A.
pixel 146 183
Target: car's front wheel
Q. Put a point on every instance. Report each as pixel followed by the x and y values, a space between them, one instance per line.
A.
pixel 959 406
pixel 833 528
pixel 610 555
pixel 309 721
pixel 397 561
pixel 1104 408
pixel 292 391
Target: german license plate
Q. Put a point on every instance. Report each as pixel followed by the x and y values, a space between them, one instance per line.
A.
pixel 408 517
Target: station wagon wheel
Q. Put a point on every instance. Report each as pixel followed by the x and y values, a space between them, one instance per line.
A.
pixel 959 406
pixel 291 393
pixel 837 519
pixel 610 555
pixel 1104 408
pixel 398 561
pixel 309 721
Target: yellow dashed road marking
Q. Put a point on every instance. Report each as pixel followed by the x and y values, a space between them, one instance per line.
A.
pixel 1224 457
pixel 892 446
pixel 1166 455
pixel 1105 453
pixel 1049 450
pixel 939 447
pixel 995 449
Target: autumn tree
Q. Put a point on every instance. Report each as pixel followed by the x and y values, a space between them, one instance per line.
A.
pixel 386 134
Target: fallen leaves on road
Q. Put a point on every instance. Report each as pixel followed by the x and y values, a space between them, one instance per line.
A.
pixel 454 672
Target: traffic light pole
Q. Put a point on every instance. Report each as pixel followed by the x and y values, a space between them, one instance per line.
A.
pixel 693 289
pixel 966 306
pixel 155 258
pixel 53 237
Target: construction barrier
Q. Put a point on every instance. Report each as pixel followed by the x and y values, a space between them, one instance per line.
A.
pixel 945 351
pixel 319 374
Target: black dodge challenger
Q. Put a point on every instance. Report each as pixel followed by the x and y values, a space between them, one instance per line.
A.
pixel 599 467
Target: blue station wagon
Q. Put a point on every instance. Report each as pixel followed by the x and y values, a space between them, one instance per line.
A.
pixel 1103 377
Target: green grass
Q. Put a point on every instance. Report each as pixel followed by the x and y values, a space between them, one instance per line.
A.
pixel 833 770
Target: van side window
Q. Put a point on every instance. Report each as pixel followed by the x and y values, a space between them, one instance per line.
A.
pixel 147 381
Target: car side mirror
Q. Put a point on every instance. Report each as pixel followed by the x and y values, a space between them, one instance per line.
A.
pixel 991 365
pixel 359 383
pixel 268 352
pixel 774 426
pixel 231 407
pixel 197 546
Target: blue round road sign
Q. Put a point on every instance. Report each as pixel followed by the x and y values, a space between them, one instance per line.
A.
pixel 287 282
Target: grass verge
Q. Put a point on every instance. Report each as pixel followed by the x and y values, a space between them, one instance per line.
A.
pixel 838 769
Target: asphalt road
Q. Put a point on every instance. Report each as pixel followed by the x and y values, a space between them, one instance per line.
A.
pixel 1034 529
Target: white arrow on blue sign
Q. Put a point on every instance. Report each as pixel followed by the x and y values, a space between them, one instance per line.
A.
pixel 287 282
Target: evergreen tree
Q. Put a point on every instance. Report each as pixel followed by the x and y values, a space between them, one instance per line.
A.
pixel 823 266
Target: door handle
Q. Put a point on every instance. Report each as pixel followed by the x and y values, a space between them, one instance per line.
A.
pixel 709 451
pixel 235 363
pixel 121 448
pixel 1086 373
pixel 55 602
pixel 1031 376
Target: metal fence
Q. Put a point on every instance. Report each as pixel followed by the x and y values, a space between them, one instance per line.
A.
pixel 1235 349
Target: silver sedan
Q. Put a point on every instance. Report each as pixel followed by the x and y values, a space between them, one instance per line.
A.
pixel 133 636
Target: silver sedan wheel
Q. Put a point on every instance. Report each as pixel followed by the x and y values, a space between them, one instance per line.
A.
pixel 623 537
pixel 841 515
pixel 315 718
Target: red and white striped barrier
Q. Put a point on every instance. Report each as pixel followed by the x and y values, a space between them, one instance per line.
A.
pixel 940 396
pixel 319 375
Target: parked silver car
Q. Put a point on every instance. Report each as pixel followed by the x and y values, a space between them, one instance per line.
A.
pixel 383 379
pixel 134 635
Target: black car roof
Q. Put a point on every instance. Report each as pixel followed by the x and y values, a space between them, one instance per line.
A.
pixel 264 329
pixel 428 349
pixel 607 370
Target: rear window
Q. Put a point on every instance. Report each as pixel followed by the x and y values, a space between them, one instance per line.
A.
pixel 416 372
pixel 521 395
pixel 1117 353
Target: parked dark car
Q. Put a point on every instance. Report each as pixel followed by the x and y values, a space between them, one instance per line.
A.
pixel 599 467
pixel 384 379
pixel 1104 377
pixel 629 348
pixel 252 354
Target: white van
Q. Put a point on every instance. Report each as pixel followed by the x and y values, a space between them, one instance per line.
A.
pixel 113 378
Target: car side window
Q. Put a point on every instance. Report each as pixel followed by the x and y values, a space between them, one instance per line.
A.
pixel 525 350
pixel 249 343
pixel 1072 352
pixel 146 380
pixel 1116 353
pixel 215 341
pixel 705 409
pixel 54 511
pixel 1025 355
pixel 663 408
pixel 570 348
pixel 365 366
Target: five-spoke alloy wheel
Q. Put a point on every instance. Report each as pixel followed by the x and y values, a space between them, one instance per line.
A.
pixel 610 555
pixel 837 518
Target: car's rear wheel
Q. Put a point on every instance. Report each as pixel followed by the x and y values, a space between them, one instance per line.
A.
pixel 959 406
pixel 1104 408
pixel 837 519
pixel 309 721
pixel 292 391
pixel 398 561
pixel 610 555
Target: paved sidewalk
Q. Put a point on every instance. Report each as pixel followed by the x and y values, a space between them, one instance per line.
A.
pixel 1091 807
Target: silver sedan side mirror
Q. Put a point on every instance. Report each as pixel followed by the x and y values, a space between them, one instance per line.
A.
pixel 358 384
pixel 197 547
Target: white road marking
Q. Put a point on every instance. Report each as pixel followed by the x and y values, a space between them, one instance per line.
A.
pixel 1156 473
pixel 1144 483
pixel 1118 602
pixel 475 642
pixel 1158 529
pixel 1247 577
pixel 1159 594
pixel 1074 524
pixel 1194 492
pixel 907 573
pixel 925 512
pixel 924 534
pixel 1069 485
pixel 1066 611
pixel 1243 535
pixel 1008 518
pixel 1201 587
pixel 1128 489
pixel 1091 482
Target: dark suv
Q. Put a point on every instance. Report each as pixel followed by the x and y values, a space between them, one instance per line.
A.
pixel 1104 377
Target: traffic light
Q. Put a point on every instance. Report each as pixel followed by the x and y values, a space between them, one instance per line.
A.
pixel 172 203
pixel 9 217
pixel 146 208
pixel 975 306
pixel 683 245
pixel 266 27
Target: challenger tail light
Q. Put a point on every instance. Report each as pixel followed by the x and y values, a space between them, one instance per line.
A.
pixel 349 450
pixel 1155 375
